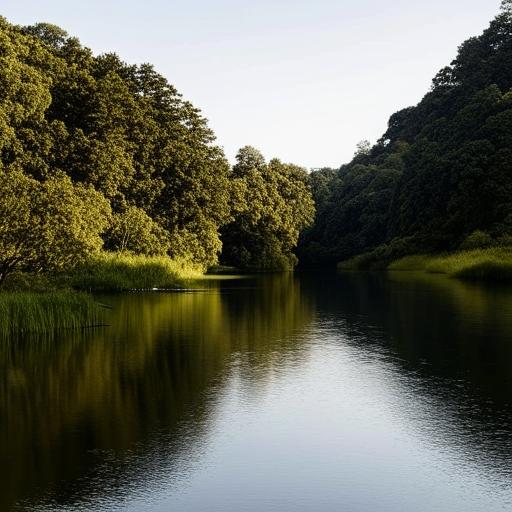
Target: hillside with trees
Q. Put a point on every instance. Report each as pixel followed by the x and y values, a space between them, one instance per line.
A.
pixel 100 156
pixel 440 177
pixel 97 154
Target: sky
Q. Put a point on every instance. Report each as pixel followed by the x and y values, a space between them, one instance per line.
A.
pixel 303 81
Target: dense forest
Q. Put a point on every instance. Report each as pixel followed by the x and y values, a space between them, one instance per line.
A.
pixel 99 155
pixel 440 177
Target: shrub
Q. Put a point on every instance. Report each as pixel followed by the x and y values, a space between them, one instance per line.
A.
pixel 48 226
pixel 477 240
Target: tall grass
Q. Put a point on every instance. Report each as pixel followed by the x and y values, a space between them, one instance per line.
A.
pixel 123 271
pixel 28 312
pixel 493 263
pixel 366 261
pixel 414 262
pixel 380 257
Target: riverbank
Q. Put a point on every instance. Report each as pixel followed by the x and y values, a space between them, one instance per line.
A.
pixel 113 272
pixel 42 312
pixel 489 264
pixel 39 303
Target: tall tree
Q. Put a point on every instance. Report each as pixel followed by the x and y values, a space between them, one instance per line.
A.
pixel 120 128
pixel 272 204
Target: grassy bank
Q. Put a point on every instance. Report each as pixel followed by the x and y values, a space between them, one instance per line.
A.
pixel 492 264
pixel 121 271
pixel 29 312
pixel 38 303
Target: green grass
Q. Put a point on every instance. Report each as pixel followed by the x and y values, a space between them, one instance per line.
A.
pixel 223 269
pixel 380 257
pixel 494 263
pixel 366 261
pixel 44 304
pixel 29 312
pixel 122 271
pixel 413 262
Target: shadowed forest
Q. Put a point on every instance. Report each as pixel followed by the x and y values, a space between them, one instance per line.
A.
pixel 103 162
pixel 439 179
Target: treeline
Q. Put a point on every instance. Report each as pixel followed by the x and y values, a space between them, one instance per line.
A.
pixel 440 178
pixel 98 154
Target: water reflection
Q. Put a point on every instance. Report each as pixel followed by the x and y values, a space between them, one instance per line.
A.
pixel 309 373
pixel 66 404
pixel 450 343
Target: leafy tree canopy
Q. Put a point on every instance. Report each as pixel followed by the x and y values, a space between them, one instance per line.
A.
pixel 48 226
pixel 93 128
pixel 440 173
pixel 272 205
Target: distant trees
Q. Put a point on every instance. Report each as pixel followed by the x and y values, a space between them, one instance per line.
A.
pixel 272 204
pixel 352 207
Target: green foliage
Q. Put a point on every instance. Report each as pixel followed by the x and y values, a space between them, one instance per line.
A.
pixel 352 216
pixel 124 271
pixel 322 182
pixel 50 34
pixel 271 204
pixel 48 226
pixel 494 263
pixel 121 129
pixel 363 148
pixel 24 312
pixel 477 240
pixel 135 231
pixel 248 159
pixel 440 175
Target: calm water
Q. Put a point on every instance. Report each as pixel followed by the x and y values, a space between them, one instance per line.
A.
pixel 281 393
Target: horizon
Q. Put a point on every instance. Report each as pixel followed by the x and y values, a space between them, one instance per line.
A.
pixel 296 81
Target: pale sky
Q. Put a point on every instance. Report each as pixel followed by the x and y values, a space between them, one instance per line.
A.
pixel 300 80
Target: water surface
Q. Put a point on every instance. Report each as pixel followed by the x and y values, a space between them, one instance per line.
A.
pixel 309 392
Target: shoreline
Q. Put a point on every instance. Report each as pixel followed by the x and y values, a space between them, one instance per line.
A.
pixel 485 264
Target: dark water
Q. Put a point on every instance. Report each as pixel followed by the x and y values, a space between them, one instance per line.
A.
pixel 281 393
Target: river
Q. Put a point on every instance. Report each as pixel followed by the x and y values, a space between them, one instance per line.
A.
pixel 288 392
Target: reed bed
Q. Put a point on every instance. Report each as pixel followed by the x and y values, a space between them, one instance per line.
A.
pixel 123 271
pixel 29 312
